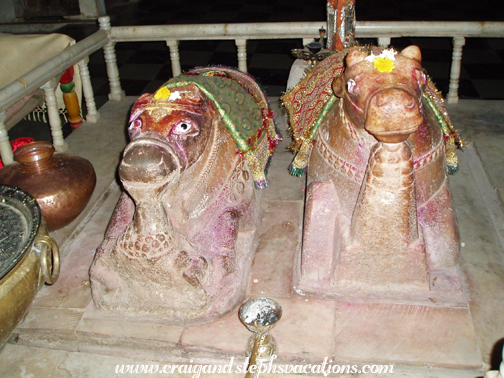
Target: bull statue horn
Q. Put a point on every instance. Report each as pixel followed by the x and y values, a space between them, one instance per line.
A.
pixel 354 57
pixel 413 52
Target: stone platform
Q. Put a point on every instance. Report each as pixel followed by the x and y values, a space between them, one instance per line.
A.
pixel 64 335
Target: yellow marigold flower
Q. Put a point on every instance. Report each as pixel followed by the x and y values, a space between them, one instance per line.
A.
pixel 162 93
pixel 383 64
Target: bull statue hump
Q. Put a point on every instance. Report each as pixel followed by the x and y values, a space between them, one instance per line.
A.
pixel 180 242
pixel 376 138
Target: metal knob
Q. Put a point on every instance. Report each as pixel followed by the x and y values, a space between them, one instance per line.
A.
pixel 260 315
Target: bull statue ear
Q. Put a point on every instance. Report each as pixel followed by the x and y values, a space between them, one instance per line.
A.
pixel 354 57
pixel 412 52
pixel 337 86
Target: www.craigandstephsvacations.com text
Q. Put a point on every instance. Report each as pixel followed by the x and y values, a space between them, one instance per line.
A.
pixel 326 367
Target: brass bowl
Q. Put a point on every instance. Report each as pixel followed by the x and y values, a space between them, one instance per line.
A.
pixel 28 256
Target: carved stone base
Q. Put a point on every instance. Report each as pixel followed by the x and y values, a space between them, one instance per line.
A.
pixel 370 270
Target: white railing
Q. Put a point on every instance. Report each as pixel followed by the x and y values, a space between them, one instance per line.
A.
pixel 381 30
pixel 44 75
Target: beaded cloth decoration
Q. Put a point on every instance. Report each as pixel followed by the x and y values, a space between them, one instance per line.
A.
pixel 243 108
pixel 309 101
pixel 432 97
pixel 307 104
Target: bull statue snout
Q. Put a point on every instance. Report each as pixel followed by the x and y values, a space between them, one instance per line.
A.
pixel 150 160
pixel 393 114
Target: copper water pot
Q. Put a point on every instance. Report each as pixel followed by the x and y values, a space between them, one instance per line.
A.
pixel 61 183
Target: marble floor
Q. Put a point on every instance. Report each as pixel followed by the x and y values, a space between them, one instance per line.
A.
pixel 63 335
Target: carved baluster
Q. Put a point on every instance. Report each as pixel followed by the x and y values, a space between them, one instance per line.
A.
pixel 384 41
pixel 5 147
pixel 174 57
pixel 54 117
pixel 116 93
pixel 87 89
pixel 241 44
pixel 458 43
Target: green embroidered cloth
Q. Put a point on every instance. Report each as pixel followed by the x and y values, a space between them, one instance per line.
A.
pixel 238 110
pixel 244 110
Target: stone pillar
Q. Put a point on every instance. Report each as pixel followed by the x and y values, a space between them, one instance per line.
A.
pixel 241 44
pixel 174 57
pixel 116 93
pixel 458 44
pixel 5 147
pixel 53 115
pixel 87 89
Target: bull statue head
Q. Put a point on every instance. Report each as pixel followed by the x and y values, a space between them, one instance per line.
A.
pixel 386 99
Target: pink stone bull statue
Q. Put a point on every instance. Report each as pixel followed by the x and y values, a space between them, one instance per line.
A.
pixel 180 242
pixel 379 218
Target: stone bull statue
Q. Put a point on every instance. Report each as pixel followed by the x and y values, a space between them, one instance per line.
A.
pixel 379 217
pixel 180 242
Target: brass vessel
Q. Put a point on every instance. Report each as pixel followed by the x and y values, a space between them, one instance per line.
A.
pixel 28 256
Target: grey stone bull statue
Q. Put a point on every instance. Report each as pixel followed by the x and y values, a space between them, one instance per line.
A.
pixel 180 242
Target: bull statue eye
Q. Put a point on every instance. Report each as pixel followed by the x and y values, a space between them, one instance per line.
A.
pixel 135 127
pixel 185 129
pixel 421 78
pixel 350 85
